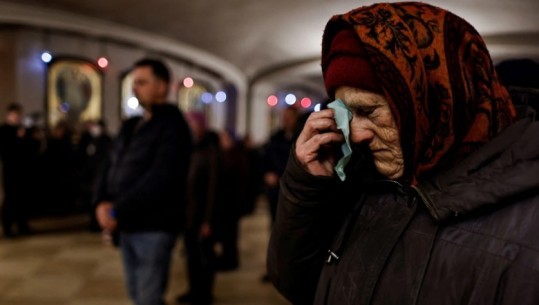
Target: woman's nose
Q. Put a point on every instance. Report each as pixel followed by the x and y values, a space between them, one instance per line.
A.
pixel 360 131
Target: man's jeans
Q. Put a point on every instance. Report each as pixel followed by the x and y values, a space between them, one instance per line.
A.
pixel 146 259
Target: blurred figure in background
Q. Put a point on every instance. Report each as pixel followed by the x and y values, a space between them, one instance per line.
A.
pixel 202 196
pixel 37 137
pixel 15 153
pixel 233 194
pixel 141 193
pixel 274 159
pixel 519 72
pixel 255 182
pixel 60 170
pixel 275 155
pixel 93 150
pixel 521 76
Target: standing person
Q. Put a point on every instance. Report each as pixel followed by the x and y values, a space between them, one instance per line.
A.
pixel 142 190
pixel 439 201
pixel 60 169
pixel 202 196
pixel 274 159
pixel 15 153
pixel 233 195
pixel 255 183
pixel 93 150
pixel 276 154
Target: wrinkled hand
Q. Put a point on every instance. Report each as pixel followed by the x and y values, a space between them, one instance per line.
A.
pixel 315 144
pixel 104 216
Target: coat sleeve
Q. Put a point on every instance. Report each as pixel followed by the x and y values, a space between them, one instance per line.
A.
pixel 308 216
pixel 102 190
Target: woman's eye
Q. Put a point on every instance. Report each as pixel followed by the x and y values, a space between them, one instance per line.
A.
pixel 365 112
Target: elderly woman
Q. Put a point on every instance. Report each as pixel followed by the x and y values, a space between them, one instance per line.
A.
pixel 439 200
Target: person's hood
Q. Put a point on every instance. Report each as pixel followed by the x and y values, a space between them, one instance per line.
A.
pixel 500 173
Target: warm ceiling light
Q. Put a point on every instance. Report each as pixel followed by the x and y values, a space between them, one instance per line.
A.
pixel 305 102
pixel 188 82
pixel 102 62
pixel 272 100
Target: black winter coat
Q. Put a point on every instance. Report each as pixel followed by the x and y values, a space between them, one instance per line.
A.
pixel 146 177
pixel 469 235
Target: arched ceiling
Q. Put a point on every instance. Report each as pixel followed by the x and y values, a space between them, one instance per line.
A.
pixel 268 39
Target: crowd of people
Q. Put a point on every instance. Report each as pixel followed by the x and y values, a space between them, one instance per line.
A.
pixel 57 167
pixel 165 174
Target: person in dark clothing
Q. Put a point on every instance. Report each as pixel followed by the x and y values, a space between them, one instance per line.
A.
pixel 521 77
pixel 60 170
pixel 232 197
pixel 275 156
pixel 521 72
pixel 255 183
pixel 202 196
pixel 15 154
pixel 93 149
pixel 143 187
pixel 438 201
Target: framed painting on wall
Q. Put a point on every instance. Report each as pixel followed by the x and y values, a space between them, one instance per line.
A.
pixel 74 92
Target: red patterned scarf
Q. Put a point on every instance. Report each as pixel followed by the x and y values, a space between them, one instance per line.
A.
pixel 438 76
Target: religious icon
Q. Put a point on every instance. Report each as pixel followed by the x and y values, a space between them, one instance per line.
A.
pixel 74 92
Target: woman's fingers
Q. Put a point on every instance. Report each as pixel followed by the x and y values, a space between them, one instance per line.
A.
pixel 315 142
pixel 318 122
pixel 311 149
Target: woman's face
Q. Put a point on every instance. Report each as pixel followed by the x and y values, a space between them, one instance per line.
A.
pixel 373 124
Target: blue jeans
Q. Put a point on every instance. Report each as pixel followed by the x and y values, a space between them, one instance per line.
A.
pixel 146 258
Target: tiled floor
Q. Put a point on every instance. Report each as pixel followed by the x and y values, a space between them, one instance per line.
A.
pixel 63 264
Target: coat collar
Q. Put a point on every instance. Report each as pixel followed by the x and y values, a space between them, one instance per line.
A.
pixel 496 175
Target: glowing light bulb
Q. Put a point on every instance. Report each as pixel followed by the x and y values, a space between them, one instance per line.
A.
pixel 305 102
pixel 206 97
pixel 188 82
pixel 46 57
pixel 102 62
pixel 132 102
pixel 272 100
pixel 290 99
pixel 220 96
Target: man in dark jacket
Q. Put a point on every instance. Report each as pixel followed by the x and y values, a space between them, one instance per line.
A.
pixel 142 191
pixel 438 201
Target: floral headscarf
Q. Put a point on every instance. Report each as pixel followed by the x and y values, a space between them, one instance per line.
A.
pixel 438 76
